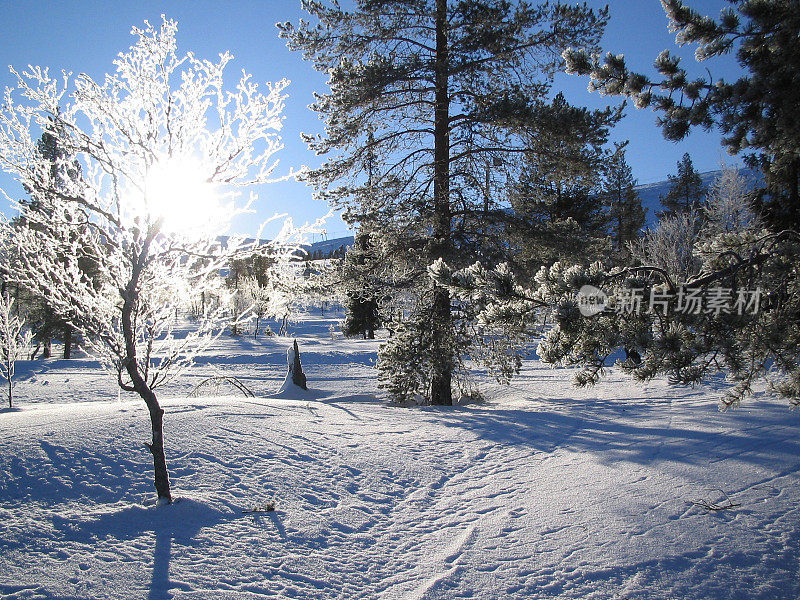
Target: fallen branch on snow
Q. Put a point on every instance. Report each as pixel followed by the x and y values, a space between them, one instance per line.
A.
pixel 714 506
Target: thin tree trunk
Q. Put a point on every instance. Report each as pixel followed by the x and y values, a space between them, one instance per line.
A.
pixel 9 366
pixel 140 386
pixel 161 476
pixel 68 341
pixel 794 209
pixel 160 473
pixel 284 325
pixel 441 392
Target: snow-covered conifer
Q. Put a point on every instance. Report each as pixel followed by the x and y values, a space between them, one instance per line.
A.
pixel 423 96
pixel 362 288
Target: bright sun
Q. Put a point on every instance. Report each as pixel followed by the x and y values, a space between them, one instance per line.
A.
pixel 177 191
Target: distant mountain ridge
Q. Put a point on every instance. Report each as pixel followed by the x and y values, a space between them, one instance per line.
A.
pixel 325 248
pixel 650 194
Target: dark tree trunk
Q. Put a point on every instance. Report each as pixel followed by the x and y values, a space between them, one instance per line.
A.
pixel 441 392
pixel 68 341
pixel 284 325
pixel 161 476
pixel 160 473
pixel 130 298
pixel 441 383
pixel 47 348
pixel 794 208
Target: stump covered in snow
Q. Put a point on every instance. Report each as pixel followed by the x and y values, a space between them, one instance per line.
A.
pixel 295 375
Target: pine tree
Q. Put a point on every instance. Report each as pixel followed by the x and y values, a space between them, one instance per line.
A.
pixel 556 212
pixel 441 87
pixel 736 313
pixel 757 113
pixel 687 192
pixel 626 213
pixel 358 271
pixel 60 170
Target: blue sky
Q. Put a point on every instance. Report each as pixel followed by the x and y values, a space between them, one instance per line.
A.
pixel 85 36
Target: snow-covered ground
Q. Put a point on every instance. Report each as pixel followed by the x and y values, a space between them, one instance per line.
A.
pixel 543 491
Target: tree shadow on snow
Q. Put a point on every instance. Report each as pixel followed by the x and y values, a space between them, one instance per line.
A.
pixel 696 574
pixel 65 474
pixel 599 428
pixel 26 369
pixel 177 523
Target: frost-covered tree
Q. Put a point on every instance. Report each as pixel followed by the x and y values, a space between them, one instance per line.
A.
pixel 426 93
pixel 44 322
pixel 669 246
pixel 275 295
pixel 259 298
pixel 727 208
pixel 15 339
pixel 757 113
pixel 164 150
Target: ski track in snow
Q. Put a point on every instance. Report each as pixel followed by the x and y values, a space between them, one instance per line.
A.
pixel 543 491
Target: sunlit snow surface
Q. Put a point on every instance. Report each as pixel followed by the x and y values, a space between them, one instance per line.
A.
pixel 544 491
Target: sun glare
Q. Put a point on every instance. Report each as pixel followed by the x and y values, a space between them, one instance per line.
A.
pixel 178 192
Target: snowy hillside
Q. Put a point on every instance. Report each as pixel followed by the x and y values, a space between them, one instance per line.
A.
pixel 543 491
pixel 326 247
